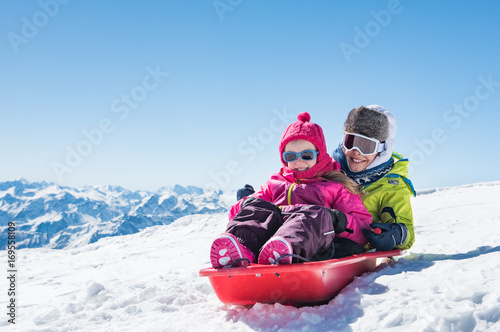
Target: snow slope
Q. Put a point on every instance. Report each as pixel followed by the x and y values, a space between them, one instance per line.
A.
pixel 148 281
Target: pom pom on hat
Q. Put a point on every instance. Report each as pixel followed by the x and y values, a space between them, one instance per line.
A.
pixel 304 117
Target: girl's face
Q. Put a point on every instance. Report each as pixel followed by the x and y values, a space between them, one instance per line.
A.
pixel 299 146
pixel 357 162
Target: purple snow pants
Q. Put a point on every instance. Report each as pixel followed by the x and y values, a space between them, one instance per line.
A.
pixel 308 228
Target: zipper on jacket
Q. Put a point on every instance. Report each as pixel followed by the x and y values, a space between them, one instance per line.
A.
pixel 289 195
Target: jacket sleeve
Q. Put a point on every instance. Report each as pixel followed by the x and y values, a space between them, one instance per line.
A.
pixel 358 217
pixel 264 193
pixel 395 207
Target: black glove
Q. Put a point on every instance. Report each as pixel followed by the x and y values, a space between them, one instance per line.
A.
pixel 244 192
pixel 339 222
pixel 389 237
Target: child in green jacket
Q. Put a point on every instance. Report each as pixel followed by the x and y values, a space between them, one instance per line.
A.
pixel 366 155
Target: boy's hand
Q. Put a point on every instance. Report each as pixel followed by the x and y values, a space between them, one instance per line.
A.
pixel 386 236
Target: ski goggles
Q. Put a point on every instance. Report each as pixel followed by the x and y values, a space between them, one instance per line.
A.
pixel 365 145
pixel 305 155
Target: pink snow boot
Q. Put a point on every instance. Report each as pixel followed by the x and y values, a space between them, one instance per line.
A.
pixel 273 249
pixel 226 249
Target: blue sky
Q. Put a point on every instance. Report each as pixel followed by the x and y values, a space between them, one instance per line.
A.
pixel 156 93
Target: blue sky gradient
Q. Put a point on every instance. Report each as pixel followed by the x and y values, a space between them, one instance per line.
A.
pixel 157 93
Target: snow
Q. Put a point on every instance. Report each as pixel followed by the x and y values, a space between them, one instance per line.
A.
pixel 148 281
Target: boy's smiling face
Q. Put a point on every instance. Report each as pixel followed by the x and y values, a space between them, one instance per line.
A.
pixel 357 162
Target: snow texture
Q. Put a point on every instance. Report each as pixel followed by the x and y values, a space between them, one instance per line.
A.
pixel 148 281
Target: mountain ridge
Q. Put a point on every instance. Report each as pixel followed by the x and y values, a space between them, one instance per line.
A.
pixel 53 216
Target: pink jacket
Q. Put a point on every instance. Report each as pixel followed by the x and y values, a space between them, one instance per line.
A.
pixel 283 189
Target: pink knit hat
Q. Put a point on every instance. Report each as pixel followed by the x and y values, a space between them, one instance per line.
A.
pixel 306 130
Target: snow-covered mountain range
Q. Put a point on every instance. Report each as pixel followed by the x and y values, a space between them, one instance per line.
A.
pixel 48 215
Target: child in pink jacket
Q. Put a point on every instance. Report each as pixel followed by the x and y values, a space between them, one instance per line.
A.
pixel 298 211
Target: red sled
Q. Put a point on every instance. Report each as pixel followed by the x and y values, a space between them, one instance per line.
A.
pixel 299 284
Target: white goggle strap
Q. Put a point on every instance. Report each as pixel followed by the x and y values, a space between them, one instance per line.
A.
pixel 380 147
